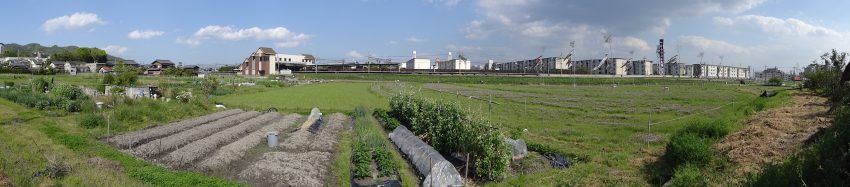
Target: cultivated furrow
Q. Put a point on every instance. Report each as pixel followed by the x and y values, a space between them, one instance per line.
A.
pixel 172 142
pixel 329 135
pixel 288 169
pixel 134 138
pixel 236 150
pixel 202 147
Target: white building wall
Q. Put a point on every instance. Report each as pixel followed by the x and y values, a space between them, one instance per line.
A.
pixel 419 63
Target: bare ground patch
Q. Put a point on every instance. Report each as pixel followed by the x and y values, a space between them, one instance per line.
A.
pixel 5 181
pixel 768 136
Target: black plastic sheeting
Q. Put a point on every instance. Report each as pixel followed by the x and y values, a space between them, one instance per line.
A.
pixel 389 183
pixel 559 161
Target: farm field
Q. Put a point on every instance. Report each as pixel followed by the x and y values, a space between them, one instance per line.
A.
pixel 229 144
pixel 604 128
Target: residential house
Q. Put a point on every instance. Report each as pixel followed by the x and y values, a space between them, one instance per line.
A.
pixel 74 67
pixel 157 66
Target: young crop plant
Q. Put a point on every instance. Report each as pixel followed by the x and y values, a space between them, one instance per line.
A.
pixel 362 159
pixel 386 164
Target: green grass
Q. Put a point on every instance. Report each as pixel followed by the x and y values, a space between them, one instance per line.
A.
pixel 329 97
pixel 137 169
pixel 342 162
pixel 600 124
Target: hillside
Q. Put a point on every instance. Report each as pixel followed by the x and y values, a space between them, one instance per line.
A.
pixel 30 48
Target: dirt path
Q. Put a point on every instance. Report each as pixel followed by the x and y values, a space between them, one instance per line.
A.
pixel 768 136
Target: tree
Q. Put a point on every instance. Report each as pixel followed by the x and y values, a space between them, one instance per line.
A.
pixel 209 85
pixel 126 75
pixel 10 53
pixel 824 79
pixel 226 68
pixel 775 81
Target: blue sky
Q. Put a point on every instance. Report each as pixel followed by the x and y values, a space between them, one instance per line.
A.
pixel 755 33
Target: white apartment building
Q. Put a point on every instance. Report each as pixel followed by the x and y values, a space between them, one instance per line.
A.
pixel 639 67
pixel 613 66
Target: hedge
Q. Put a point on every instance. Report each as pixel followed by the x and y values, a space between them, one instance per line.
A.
pixel 449 129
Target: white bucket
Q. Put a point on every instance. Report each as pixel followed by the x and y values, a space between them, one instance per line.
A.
pixel 272 138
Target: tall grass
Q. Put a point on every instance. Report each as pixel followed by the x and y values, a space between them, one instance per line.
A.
pixel 825 163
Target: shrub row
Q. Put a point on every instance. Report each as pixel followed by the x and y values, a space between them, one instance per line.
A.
pixel 450 130
pixel 40 101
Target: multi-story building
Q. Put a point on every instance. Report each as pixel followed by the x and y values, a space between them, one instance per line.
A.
pixel 611 66
pixel 639 67
pixel 265 61
pixel 720 72
pixel 772 72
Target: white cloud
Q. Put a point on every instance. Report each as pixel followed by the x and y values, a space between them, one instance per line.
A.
pixel 712 46
pixel 115 49
pixel 144 34
pixel 631 43
pixel 766 24
pixel 392 42
pixel 536 18
pixel 73 21
pixel 280 36
pixel 354 54
pixel 416 40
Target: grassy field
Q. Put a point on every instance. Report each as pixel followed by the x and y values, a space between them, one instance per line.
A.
pixel 329 97
pixel 604 127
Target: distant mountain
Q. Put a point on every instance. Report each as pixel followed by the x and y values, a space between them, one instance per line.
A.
pixel 35 47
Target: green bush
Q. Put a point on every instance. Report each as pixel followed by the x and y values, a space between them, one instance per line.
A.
pixel 67 92
pixel 449 129
pixel 714 129
pixel 40 84
pixel 690 148
pixel 687 176
pixel 90 121
pixel 775 81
